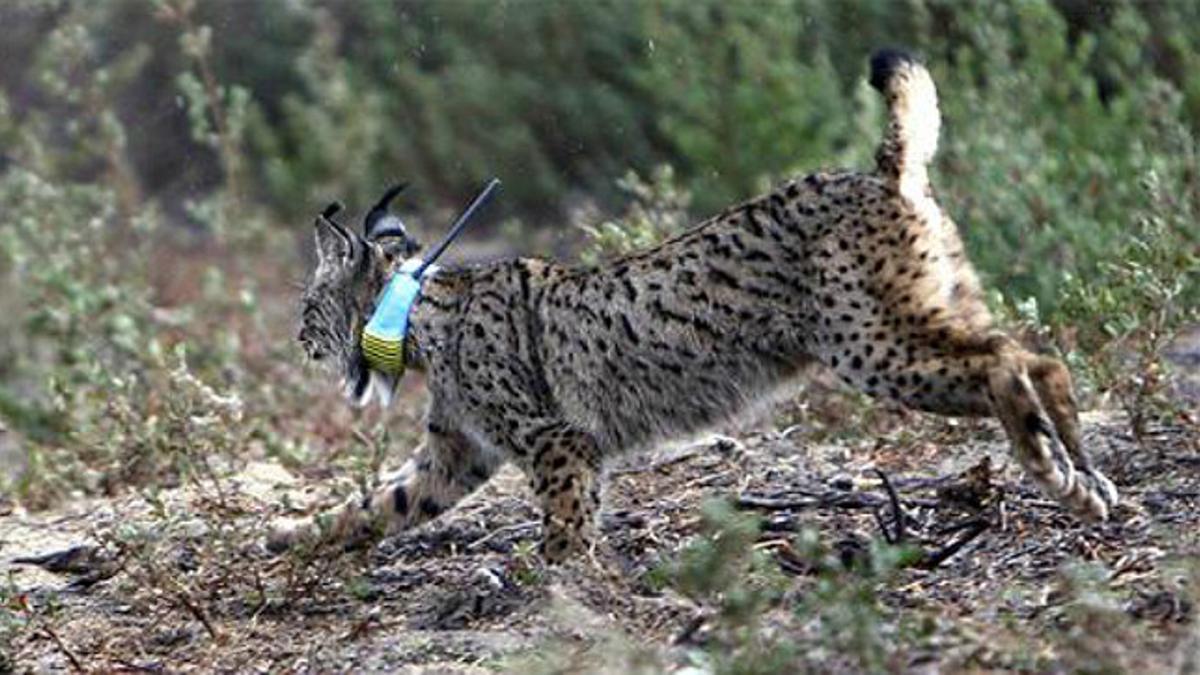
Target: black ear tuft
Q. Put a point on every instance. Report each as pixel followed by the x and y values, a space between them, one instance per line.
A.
pixel 380 210
pixel 332 210
pixel 885 63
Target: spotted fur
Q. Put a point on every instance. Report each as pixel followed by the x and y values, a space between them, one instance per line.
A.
pixel 557 368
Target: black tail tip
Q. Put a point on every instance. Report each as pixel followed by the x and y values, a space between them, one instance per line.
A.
pixel 885 63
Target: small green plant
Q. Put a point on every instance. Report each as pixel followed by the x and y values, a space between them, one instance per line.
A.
pixel 845 599
pixel 722 569
pixel 14 621
pixel 657 208
pixel 837 613
pixel 360 588
pixel 1128 315
pixel 525 565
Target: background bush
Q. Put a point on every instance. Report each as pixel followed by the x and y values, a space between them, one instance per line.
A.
pixel 1054 110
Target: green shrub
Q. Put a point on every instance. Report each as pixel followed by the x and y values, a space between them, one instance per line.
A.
pixel 836 610
pixel 89 378
pixel 1052 112
pixel 657 209
pixel 746 103
pixel 1128 313
pixel 721 569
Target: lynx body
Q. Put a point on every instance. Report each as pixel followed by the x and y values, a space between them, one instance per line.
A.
pixel 558 368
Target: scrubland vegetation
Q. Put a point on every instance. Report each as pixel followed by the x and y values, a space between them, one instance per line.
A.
pixel 160 164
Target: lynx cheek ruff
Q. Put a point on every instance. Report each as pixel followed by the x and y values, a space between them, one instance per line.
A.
pixel 384 335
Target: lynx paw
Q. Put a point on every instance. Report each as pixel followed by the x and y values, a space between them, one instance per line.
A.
pixel 349 527
pixel 562 542
pixel 285 535
pixel 1088 494
pixel 1048 460
pixel 1094 496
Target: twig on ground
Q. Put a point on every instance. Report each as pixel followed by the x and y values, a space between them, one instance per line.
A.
pixel 137 667
pixel 897 535
pixel 499 531
pixel 152 575
pixel 662 463
pixel 62 647
pixel 722 444
pixel 930 560
pixel 708 480
pixel 838 500
pixel 184 599
pixel 1180 494
pixel 915 484
pixel 848 500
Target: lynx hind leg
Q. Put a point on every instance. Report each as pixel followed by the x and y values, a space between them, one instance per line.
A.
pixel 1045 434
pixel 442 471
pixel 565 473
pixel 1052 381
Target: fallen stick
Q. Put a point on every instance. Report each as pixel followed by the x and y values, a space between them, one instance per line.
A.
pixel 929 560
pixel 842 500
pixel 677 458
pixel 62 647
pixel 499 531
pixel 897 511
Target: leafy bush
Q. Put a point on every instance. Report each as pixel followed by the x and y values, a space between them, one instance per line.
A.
pixel 746 103
pixel 845 600
pixel 1132 310
pixel 657 209
pixel 837 610
pixel 722 569
pixel 96 380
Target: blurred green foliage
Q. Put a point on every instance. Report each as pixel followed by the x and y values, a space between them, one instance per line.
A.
pixel 108 376
pixel 656 209
pixel 1055 110
pixel 150 151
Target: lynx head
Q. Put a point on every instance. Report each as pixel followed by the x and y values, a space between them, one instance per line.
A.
pixel 340 295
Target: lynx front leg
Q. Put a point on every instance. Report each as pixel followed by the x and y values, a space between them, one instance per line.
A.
pixel 443 470
pixel 565 472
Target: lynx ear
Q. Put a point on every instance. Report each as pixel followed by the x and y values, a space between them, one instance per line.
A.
pixel 388 231
pixel 333 242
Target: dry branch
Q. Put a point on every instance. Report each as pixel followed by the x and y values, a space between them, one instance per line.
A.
pixel 62 647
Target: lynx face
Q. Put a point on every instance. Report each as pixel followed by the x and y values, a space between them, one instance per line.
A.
pixel 340 296
pixel 332 313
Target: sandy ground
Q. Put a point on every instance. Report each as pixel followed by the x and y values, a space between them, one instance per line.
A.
pixel 465 593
